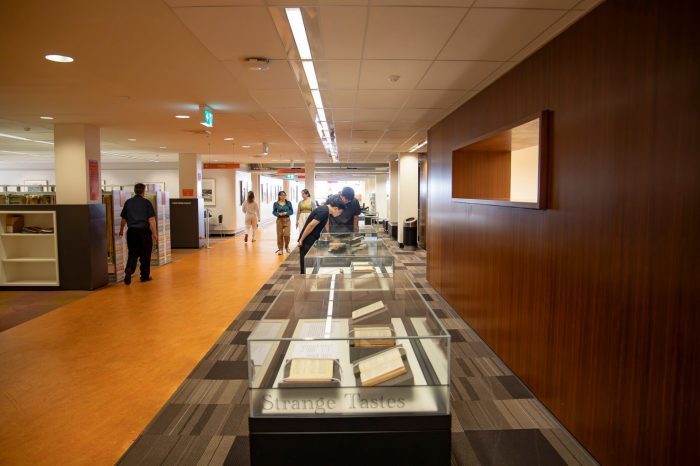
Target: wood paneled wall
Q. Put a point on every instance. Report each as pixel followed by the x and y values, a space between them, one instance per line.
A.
pixel 481 175
pixel 593 302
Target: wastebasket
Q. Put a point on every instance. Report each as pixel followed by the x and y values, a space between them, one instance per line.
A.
pixel 410 232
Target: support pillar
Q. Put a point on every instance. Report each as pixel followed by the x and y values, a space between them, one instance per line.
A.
pixel 78 177
pixel 310 178
pixel 408 190
pixel 381 196
pixel 394 191
pixel 190 171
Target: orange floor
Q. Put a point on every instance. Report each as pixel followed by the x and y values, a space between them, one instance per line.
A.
pixel 77 385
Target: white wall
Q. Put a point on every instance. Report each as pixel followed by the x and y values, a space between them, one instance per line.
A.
pixel 273 186
pixel 18 176
pixel 523 174
pixel 394 191
pixel 225 198
pixel 381 196
pixel 128 178
pixel 408 190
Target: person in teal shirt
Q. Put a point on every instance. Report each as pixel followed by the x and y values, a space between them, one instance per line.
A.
pixel 283 210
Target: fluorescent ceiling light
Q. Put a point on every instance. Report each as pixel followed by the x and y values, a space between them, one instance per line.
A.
pixel 162 147
pixel 310 72
pixel 316 94
pixel 182 117
pixel 246 147
pixel 20 138
pixel 228 139
pixel 59 58
pixel 297 23
pixel 46 118
pixel 131 139
pixel 418 146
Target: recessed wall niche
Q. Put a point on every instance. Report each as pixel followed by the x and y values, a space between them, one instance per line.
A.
pixel 505 167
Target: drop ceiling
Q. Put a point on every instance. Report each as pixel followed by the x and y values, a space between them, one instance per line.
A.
pixel 387 70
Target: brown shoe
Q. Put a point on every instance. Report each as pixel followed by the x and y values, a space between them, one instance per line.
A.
pixel 245 239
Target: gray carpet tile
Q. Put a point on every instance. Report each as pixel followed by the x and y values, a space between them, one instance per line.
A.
pixel 496 420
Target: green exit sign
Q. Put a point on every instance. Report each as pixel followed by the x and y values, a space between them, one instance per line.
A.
pixel 289 176
pixel 207 116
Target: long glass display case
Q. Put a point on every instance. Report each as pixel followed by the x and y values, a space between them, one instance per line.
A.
pixel 348 253
pixel 349 355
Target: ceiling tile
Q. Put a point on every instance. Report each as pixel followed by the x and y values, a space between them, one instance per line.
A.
pixel 226 31
pixel 205 3
pixel 338 99
pixel 374 114
pixel 342 30
pixel 279 76
pixel 317 2
pixel 371 125
pixel 429 115
pixel 497 33
pixel 279 98
pixel 291 114
pixel 337 74
pixel 552 4
pixel 557 28
pixel 463 3
pixel 375 73
pixel 366 135
pixel 433 99
pixel 381 99
pixel 343 114
pixel 409 33
pixel 457 74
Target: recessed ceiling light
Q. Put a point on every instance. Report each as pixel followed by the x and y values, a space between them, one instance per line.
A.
pixel 131 139
pixel 246 147
pixel 59 58
pixel 46 118
pixel 162 147
pixel 228 139
pixel 182 117
pixel 216 160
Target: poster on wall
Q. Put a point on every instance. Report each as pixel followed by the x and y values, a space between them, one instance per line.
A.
pixel 36 186
pixel 209 191
pixel 94 178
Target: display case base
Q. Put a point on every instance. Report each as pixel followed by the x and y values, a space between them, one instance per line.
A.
pixel 377 440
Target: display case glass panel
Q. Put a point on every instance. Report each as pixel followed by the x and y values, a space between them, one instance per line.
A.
pixel 343 345
pixel 348 253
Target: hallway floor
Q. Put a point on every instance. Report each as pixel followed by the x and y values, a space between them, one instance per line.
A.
pixel 78 383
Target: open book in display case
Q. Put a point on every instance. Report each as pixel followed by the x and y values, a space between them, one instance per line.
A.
pixel 349 254
pixel 347 366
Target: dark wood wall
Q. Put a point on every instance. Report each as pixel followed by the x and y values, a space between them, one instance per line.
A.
pixel 593 302
pixel 481 175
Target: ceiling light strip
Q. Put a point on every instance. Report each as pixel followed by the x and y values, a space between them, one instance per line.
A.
pixel 418 146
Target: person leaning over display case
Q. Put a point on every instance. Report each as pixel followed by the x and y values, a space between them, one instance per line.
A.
pixel 315 224
pixel 138 214
pixel 349 220
pixel 282 209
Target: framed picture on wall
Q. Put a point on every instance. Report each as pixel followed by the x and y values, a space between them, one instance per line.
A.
pixel 209 191
pixel 241 191
pixel 36 186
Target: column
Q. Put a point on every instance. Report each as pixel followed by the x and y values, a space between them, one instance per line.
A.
pixel 394 191
pixel 190 171
pixel 382 208
pixel 408 190
pixel 310 177
pixel 371 189
pixel 78 178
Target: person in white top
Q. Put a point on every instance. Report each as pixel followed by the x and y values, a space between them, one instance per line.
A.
pixel 251 209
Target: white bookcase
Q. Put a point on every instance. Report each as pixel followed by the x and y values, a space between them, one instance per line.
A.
pixel 29 259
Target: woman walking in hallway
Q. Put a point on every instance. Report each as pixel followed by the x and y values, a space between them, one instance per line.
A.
pixel 282 209
pixel 251 209
pixel 304 208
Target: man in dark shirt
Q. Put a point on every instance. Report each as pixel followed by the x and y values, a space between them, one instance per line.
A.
pixel 315 223
pixel 349 220
pixel 139 216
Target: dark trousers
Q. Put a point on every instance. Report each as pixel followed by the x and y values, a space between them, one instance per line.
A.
pixel 140 245
pixel 302 253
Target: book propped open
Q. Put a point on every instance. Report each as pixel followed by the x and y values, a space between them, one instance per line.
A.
pixel 310 370
pixel 381 367
pixel 367 310
pixel 381 336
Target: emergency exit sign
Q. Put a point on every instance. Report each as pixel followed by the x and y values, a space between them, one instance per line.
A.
pixel 207 116
pixel 289 176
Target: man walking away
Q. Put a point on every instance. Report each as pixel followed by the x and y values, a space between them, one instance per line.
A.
pixel 139 216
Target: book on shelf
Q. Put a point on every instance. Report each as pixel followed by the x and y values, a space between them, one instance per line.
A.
pixel 310 370
pixel 381 336
pixel 381 367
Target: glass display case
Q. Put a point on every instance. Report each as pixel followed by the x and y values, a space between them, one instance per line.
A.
pixel 343 353
pixel 348 253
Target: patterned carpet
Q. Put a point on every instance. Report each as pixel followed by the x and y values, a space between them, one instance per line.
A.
pixel 495 418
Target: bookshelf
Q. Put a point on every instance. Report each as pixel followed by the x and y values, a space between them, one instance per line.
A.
pixel 29 259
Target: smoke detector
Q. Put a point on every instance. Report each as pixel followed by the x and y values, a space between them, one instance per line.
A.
pixel 258 63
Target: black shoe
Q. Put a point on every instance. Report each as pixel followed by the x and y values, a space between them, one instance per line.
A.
pixel 127 279
pixel 147 279
pixel 245 240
